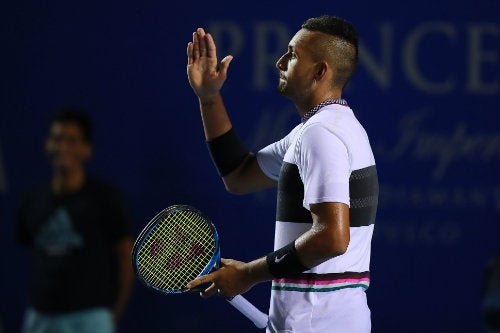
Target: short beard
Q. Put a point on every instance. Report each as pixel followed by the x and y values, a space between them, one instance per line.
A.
pixel 281 89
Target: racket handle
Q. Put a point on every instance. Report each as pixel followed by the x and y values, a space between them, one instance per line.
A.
pixel 258 317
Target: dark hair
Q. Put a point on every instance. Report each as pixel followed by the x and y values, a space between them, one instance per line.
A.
pixel 335 26
pixel 346 51
pixel 75 115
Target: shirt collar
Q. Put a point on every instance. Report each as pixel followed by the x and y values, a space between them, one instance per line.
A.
pixel 315 109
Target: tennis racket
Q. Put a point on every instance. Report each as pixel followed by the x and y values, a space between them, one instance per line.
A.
pixel 178 245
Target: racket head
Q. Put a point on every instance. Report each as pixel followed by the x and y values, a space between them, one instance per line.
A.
pixel 178 245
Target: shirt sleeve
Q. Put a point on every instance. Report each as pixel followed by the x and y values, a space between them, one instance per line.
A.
pixel 270 158
pixel 324 166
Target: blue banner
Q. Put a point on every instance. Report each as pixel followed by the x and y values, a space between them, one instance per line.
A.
pixel 427 91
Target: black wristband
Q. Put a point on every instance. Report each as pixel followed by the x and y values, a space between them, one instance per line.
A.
pixel 285 262
pixel 227 152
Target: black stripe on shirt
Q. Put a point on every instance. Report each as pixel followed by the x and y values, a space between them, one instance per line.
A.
pixel 363 193
pixel 290 196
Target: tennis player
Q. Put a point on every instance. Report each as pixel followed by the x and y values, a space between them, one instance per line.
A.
pixel 326 177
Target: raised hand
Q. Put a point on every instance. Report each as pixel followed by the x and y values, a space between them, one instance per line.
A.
pixel 205 74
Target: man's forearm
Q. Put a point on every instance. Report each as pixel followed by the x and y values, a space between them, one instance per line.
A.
pixel 214 116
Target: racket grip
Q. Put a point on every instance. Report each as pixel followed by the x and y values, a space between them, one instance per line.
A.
pixel 258 317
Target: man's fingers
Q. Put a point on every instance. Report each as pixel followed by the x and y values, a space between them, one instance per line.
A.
pixel 199 281
pixel 189 51
pixel 224 261
pixel 224 64
pixel 210 45
pixel 203 45
pixel 195 46
pixel 202 42
pixel 210 291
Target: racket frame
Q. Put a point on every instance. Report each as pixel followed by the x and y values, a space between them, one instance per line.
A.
pixel 150 227
pixel 259 318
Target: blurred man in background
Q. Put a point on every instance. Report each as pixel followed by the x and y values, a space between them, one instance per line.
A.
pixel 78 230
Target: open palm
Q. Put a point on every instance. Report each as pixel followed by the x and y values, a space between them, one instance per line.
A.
pixel 206 75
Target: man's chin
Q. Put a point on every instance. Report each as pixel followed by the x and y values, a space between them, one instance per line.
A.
pixel 63 166
pixel 281 89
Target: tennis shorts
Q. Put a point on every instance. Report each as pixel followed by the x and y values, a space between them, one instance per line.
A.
pixel 94 320
pixel 341 311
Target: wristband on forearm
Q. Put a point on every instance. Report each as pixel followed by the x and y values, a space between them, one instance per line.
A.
pixel 285 262
pixel 227 152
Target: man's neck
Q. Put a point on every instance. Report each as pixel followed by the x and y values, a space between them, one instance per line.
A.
pixel 64 182
pixel 306 106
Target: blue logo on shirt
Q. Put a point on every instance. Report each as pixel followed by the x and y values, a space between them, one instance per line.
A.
pixel 57 236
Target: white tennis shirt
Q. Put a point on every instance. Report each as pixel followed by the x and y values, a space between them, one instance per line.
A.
pixel 326 158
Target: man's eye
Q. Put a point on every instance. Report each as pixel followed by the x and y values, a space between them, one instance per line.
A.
pixel 67 139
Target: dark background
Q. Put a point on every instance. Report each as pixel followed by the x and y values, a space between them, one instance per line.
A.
pixel 427 91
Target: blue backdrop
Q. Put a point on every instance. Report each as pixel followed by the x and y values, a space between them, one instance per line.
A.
pixel 427 91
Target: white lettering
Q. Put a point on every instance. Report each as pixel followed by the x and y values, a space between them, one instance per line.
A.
pixel 444 149
pixel 440 197
pixel 410 57
pixel 475 68
pixel 380 70
pixel 228 37
pixel 413 233
pixel 271 41
pixel 478 57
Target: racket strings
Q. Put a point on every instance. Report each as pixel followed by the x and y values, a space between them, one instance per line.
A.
pixel 177 250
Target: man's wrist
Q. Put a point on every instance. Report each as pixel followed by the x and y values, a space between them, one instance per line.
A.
pixel 227 152
pixel 209 99
pixel 285 262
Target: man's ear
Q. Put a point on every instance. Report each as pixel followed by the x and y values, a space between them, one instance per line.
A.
pixel 320 70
